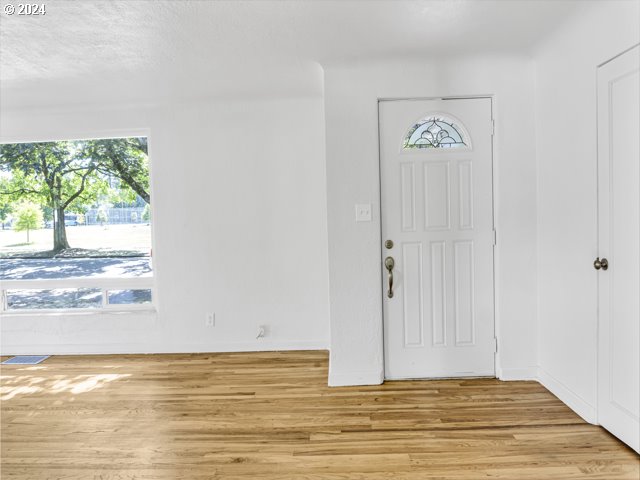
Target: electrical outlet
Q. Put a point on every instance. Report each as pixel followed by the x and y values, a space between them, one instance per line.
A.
pixel 210 320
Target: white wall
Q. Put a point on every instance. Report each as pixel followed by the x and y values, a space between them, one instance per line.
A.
pixel 567 230
pixel 351 93
pixel 239 209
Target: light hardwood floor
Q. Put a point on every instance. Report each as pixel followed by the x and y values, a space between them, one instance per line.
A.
pixel 271 416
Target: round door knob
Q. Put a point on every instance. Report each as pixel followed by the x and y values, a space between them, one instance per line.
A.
pixel 601 264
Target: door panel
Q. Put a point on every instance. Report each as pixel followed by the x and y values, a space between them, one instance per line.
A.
pixel 464 292
pixel 619 243
pixel 437 209
pixel 412 298
pixel 437 201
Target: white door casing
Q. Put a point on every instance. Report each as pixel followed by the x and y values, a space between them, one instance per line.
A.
pixel 437 209
pixel 619 243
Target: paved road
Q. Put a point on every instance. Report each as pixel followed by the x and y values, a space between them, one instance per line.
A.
pixel 38 269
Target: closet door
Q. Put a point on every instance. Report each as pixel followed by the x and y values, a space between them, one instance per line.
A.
pixel 618 263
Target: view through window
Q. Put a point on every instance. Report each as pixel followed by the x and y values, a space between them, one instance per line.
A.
pixel 75 225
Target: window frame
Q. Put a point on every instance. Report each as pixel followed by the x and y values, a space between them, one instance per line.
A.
pixel 106 284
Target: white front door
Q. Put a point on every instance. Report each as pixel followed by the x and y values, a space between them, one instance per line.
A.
pixel 619 244
pixel 436 205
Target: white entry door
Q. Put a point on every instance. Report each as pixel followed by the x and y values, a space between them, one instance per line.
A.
pixel 437 234
pixel 619 245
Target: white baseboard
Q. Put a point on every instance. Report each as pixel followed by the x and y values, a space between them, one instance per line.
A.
pixel 567 396
pixel 141 348
pixel 355 378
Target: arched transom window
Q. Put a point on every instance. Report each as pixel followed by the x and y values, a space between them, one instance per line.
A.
pixel 436 131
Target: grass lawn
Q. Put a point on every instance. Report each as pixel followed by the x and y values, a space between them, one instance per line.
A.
pixel 92 237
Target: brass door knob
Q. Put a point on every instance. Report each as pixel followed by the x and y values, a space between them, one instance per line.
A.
pixel 601 264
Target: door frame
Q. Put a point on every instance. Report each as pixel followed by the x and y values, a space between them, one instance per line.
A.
pixel 494 218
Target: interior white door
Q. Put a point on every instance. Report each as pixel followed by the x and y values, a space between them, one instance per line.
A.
pixel 619 244
pixel 436 206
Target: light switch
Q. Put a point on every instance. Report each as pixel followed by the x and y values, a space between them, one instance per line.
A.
pixel 363 212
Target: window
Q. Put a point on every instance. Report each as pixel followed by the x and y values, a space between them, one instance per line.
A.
pixel 75 225
pixel 436 131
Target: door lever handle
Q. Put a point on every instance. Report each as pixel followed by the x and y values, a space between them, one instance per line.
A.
pixel 389 263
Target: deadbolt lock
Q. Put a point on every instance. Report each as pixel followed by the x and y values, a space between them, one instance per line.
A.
pixel 601 264
pixel 388 244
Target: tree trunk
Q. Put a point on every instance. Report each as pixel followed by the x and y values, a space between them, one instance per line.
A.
pixel 59 231
pixel 127 178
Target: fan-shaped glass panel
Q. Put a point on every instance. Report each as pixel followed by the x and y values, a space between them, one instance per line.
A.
pixel 436 131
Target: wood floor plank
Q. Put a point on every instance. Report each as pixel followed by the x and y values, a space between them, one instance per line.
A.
pixel 270 415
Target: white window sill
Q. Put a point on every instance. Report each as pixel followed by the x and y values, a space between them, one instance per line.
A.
pixel 80 312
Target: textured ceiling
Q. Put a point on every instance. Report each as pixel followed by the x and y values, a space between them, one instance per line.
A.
pixel 188 48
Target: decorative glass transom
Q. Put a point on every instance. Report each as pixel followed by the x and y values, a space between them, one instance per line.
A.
pixel 435 131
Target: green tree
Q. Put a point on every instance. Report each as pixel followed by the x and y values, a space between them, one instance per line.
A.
pixel 102 216
pixel 71 175
pixel 6 206
pixel 146 213
pixel 5 212
pixel 28 217
pixel 124 158
pixel 47 211
pixel 54 173
pixel 120 194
